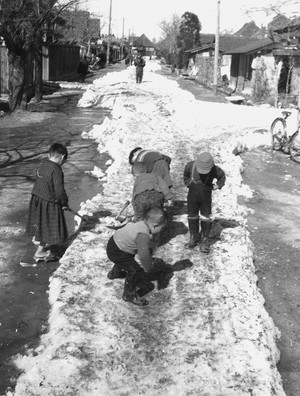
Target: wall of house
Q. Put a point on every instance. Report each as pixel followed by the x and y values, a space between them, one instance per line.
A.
pixel 243 78
pixel 295 80
pixel 205 63
pixel 234 71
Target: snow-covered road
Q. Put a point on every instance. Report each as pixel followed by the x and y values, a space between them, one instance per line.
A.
pixel 207 332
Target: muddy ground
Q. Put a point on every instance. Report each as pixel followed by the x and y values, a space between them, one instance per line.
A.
pixel 273 224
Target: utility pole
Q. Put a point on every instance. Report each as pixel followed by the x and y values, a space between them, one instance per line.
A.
pixel 109 34
pixel 216 62
pixel 122 40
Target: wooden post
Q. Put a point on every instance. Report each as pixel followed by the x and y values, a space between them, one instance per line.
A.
pixel 122 49
pixel 109 33
pixel 299 100
pixel 216 60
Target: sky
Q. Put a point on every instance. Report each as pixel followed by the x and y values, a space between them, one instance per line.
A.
pixel 143 17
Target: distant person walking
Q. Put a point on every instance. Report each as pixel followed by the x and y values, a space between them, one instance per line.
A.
pixel 83 68
pixel 139 64
pixel 46 220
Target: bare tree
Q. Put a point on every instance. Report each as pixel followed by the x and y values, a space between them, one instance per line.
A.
pixel 23 24
pixel 168 43
pixel 277 7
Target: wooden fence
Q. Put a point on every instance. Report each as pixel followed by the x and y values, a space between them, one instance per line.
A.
pixel 60 62
pixel 3 70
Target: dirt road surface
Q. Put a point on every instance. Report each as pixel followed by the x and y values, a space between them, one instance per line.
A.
pixel 273 223
pixel 275 231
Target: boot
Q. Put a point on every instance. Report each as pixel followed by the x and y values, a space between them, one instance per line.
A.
pixel 205 230
pixel 145 288
pixel 130 293
pixel 116 273
pixel 194 233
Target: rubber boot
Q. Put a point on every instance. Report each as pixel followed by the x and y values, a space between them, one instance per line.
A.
pixel 205 230
pixel 116 273
pixel 145 288
pixel 130 293
pixel 194 233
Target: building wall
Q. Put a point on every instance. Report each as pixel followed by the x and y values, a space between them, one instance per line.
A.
pixel 205 63
pixel 295 81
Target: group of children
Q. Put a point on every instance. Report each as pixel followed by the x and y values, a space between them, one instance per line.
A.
pixel 151 192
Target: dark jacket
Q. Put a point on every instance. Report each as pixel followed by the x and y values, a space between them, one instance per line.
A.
pixel 139 62
pixel 190 175
pixel 49 184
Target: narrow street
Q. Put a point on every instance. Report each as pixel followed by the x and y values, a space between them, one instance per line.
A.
pixel 273 224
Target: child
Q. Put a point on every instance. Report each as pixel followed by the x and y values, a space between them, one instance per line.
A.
pixel 198 177
pixel 121 249
pixel 149 191
pixel 46 220
pixel 154 161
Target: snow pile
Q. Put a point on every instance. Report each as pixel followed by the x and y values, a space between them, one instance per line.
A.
pixel 205 330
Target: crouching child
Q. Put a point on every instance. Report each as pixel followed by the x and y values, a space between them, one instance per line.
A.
pixel 122 247
pixel 149 191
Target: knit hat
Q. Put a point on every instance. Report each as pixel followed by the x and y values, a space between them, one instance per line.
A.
pixel 204 163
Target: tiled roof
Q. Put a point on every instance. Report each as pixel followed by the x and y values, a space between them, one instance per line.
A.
pixel 255 46
pixel 227 43
pixel 283 24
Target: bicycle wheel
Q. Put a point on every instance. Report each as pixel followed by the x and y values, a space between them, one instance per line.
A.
pixel 279 134
pixel 295 147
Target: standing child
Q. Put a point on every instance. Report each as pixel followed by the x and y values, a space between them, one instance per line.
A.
pixel 46 220
pixel 135 238
pixel 198 177
pixel 149 191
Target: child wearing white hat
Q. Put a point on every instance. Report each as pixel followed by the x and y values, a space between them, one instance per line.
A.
pixel 198 177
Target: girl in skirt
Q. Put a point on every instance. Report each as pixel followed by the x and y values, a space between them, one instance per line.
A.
pixel 46 220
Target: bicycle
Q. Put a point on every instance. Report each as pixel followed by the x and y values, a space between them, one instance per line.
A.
pixel 280 139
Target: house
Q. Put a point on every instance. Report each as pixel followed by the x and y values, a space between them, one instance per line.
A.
pixel 287 32
pixel 281 54
pixel 202 58
pixel 144 45
pixel 241 61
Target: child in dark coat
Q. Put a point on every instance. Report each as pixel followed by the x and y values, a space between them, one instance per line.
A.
pixel 198 177
pixel 135 238
pixel 149 191
pixel 46 220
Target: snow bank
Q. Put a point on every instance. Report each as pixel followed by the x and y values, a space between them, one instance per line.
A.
pixel 205 332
